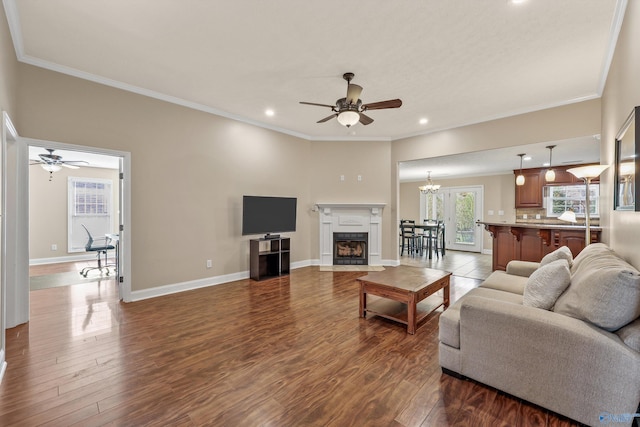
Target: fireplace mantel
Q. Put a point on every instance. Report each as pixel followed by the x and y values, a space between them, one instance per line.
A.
pixel 350 217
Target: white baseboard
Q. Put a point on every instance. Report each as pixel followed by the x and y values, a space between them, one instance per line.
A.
pixel 59 259
pixel 202 283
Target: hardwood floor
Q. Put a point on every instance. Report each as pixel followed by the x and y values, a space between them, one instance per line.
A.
pixel 284 352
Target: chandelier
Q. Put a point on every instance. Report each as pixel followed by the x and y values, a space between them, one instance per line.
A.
pixel 429 187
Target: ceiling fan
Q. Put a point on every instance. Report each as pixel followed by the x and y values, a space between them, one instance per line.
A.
pixel 53 162
pixel 350 109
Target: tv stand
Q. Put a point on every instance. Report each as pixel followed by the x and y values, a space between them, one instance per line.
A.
pixel 269 257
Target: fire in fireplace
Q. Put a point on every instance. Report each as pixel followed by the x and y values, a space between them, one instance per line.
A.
pixel 350 248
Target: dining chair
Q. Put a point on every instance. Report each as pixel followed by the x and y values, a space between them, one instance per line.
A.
pixel 409 238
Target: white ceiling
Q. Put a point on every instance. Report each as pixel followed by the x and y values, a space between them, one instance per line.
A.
pixel 453 62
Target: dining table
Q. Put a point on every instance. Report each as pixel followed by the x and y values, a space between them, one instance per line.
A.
pixel 428 230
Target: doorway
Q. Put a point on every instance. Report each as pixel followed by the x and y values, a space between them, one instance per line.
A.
pixel 460 208
pixel 68 191
pixel 18 313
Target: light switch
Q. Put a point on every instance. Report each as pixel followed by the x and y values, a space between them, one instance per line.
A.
pixel 341 177
pixel 489 212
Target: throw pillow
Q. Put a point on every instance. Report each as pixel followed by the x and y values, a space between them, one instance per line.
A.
pixel 562 252
pixel 593 251
pixel 630 335
pixel 605 291
pixel 546 284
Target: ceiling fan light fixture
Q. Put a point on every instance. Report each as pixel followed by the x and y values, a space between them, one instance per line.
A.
pixel 51 168
pixel 348 118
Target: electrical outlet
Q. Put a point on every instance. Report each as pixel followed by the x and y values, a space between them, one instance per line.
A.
pixel 501 213
pixel 341 177
pixel 537 216
pixel 490 212
pixel 209 263
pixel 359 177
pixel 524 216
pixel 54 247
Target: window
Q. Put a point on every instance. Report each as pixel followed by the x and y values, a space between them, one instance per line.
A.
pixel 432 206
pixel 560 198
pixel 89 204
pixel 91 198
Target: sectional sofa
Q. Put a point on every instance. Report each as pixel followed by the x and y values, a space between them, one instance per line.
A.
pixel 563 334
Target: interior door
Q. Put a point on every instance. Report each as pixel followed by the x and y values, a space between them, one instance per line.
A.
pixel 463 208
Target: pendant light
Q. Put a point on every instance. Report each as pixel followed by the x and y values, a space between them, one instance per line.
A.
pixel 550 176
pixel 520 178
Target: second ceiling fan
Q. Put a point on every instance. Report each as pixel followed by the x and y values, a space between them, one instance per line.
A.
pixel 350 109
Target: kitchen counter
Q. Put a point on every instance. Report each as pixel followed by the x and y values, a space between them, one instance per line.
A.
pixel 531 242
pixel 540 226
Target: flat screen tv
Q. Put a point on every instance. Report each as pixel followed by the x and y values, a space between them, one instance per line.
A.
pixel 266 215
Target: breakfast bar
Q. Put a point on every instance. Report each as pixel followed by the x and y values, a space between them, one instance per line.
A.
pixel 531 242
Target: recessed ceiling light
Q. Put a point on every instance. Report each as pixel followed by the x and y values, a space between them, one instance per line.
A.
pixel 517 1
pixel 546 164
pixel 424 121
pixel 270 112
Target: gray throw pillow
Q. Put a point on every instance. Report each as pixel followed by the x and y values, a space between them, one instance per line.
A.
pixel 562 252
pixel 546 284
pixel 605 290
pixel 630 335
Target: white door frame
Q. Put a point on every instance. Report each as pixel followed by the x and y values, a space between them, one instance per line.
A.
pixel 125 209
pixel 7 258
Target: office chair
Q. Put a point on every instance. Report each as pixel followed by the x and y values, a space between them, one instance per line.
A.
pixel 99 249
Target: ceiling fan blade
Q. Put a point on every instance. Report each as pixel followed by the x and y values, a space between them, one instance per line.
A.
pixel 66 165
pixel 392 103
pixel 365 120
pixel 353 93
pixel 326 119
pixel 318 105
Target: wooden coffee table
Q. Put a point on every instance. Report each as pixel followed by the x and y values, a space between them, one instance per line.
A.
pixel 407 286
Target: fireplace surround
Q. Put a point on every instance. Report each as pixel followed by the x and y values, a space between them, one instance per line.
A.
pixel 356 218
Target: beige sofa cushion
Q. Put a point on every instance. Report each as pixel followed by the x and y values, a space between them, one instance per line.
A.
pixel 449 328
pixel 604 290
pixel 546 284
pixel 630 335
pixel 502 281
pixel 562 252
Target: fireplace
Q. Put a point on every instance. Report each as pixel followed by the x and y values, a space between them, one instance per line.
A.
pixel 350 248
pixel 356 222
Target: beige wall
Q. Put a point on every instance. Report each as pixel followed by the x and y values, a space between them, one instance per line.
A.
pixel 8 69
pixel 189 172
pixel 499 195
pixel 621 94
pixel 370 160
pixel 48 207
